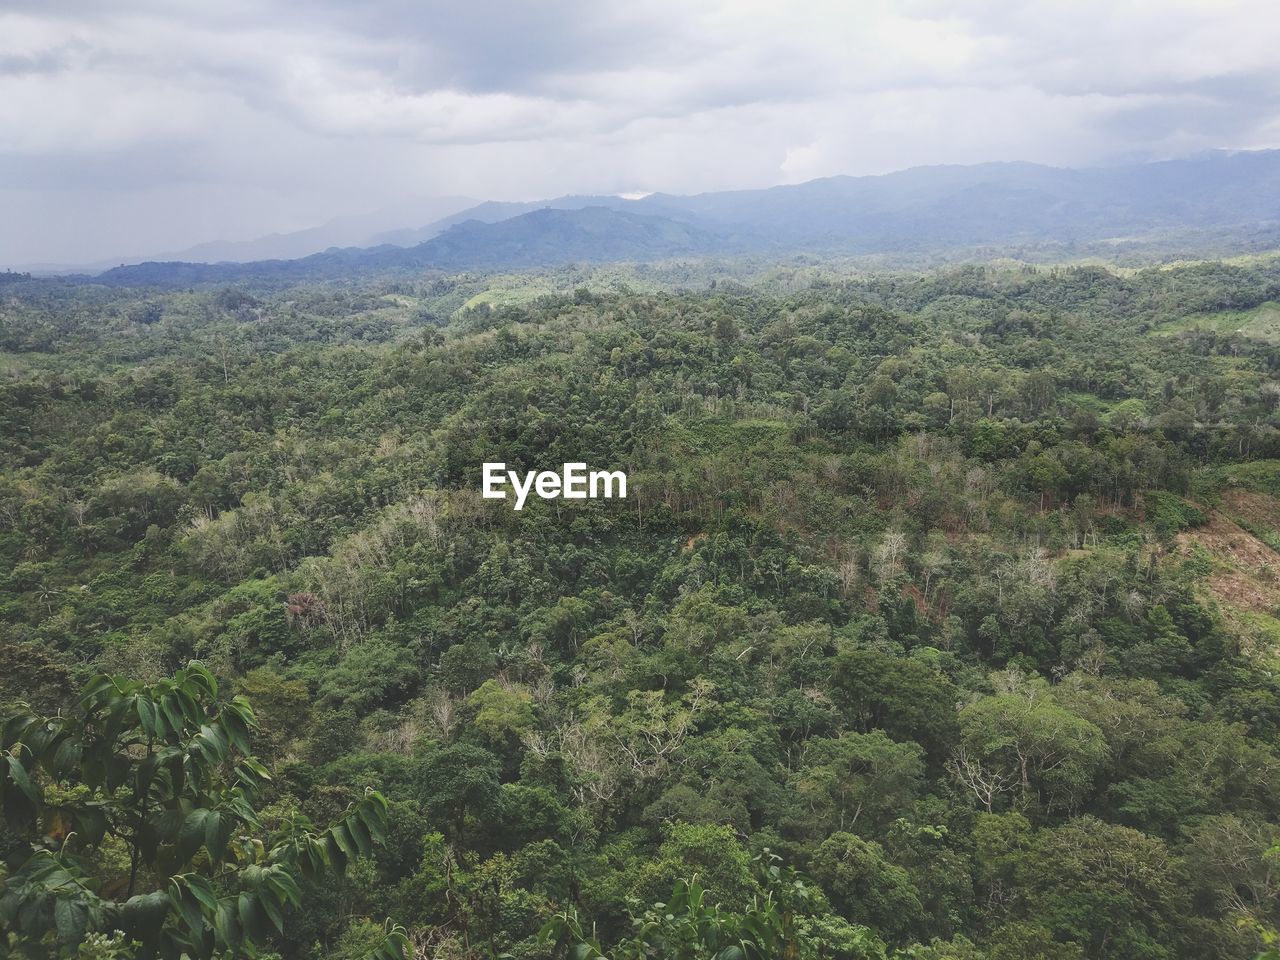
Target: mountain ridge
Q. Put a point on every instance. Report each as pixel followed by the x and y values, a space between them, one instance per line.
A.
pixel 945 207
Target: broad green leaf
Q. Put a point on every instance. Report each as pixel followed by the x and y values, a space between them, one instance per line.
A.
pixel 218 829
pixel 360 834
pixel 147 716
pixel 187 906
pixel 142 915
pixel 192 835
pixel 252 920
pixel 271 905
pixel 226 924
pixel 18 774
pixel 202 890
pixel 70 917
pixel 342 837
pixel 92 824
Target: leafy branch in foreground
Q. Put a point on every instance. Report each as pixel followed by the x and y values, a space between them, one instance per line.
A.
pixel 134 816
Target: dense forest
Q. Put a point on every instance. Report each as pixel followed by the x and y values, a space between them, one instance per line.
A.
pixel 940 619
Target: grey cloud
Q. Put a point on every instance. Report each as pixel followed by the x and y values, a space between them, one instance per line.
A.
pixel 1170 119
pixel 1211 112
pixel 125 170
pixel 490 46
pixel 159 122
pixel 44 61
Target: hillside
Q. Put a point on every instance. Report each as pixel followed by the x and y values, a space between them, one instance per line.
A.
pixel 544 237
pixel 549 236
pixel 938 622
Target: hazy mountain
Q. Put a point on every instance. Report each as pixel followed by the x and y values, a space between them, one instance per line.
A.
pixel 549 236
pixel 930 207
pixel 994 203
pixel 538 239
pixel 491 211
pixel 1177 205
pixel 360 230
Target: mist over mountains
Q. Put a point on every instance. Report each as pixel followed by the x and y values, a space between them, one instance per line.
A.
pixel 359 230
pixel 1186 205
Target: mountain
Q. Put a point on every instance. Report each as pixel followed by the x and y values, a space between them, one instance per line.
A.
pixel 1178 207
pixel 935 206
pixel 994 203
pixel 549 236
pixel 491 211
pixel 541 238
pixel 358 230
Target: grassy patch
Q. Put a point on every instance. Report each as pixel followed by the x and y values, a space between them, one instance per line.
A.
pixel 1260 475
pixel 504 296
pixel 1264 630
pixel 1259 323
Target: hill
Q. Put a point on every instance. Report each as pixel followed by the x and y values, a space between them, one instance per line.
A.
pixel 1219 203
pixel 952 589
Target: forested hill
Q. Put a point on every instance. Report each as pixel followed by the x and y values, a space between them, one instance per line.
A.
pixel 538 239
pixel 1218 204
pixel 955 591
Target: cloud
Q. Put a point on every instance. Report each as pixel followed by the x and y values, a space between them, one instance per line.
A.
pixel 144 124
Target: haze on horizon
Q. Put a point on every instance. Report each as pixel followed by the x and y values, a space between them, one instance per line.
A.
pixel 145 126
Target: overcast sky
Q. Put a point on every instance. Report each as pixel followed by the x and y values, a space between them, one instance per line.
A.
pixel 138 126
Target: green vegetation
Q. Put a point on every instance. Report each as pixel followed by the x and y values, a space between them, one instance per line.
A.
pixel 1259 323
pixel 938 622
pixel 132 820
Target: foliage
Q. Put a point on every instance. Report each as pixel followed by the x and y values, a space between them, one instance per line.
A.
pixel 786 922
pixel 134 813
pixel 955 588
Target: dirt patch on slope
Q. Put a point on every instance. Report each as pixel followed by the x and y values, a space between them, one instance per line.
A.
pixel 1230 543
pixel 1243 593
pixel 1258 510
pixel 1250 579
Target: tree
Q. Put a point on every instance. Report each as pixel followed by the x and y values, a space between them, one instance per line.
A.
pixel 859 777
pixel 1113 890
pixel 906 698
pixel 863 884
pixel 280 705
pixel 501 711
pixel 1023 736
pixel 134 814
pixel 458 780
pixel 1020 940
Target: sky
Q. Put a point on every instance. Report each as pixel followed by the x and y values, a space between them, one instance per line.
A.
pixel 141 126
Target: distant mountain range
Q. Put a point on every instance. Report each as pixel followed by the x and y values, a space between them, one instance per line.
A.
pixel 993 205
pixel 360 230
